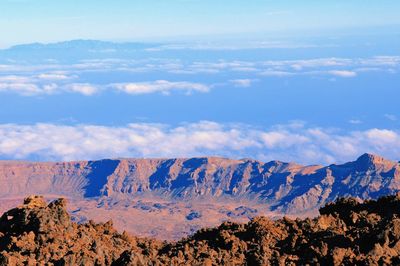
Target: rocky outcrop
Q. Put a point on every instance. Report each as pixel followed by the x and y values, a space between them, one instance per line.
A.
pixel 286 187
pixel 37 233
pixel 348 232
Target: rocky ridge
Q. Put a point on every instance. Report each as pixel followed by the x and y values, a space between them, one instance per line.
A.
pixel 347 232
pixel 287 187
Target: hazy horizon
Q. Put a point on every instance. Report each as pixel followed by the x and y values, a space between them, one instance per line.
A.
pixel 27 21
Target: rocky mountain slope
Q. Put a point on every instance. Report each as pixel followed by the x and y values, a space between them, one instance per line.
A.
pixel 286 186
pixel 346 233
pixel 194 192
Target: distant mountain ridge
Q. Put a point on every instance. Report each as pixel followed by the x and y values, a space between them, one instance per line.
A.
pixel 286 187
pixel 82 44
pixel 75 51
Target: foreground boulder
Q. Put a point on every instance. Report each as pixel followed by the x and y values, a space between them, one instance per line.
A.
pixel 347 232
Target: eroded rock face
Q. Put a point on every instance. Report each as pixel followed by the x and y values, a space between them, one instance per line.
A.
pixel 347 232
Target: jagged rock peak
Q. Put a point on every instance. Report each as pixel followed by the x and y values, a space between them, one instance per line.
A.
pixel 368 160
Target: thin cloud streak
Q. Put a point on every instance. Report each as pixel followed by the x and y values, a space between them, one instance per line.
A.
pixel 160 86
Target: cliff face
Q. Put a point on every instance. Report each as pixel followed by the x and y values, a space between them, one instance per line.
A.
pixel 286 187
pixel 346 233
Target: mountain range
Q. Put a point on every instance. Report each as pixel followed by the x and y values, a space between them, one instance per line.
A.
pixel 170 198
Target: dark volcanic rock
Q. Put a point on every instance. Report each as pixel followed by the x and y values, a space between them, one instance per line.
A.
pixel 348 232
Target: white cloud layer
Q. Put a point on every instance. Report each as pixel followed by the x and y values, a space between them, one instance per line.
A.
pixel 292 142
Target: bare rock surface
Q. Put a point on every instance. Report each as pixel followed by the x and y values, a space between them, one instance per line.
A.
pixel 347 232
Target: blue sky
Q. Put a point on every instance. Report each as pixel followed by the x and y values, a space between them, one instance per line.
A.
pixel 312 82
